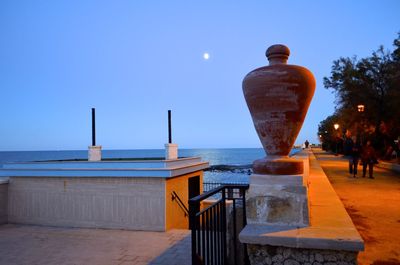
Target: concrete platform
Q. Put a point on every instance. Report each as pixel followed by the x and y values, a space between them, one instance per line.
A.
pixel 128 194
pixel 134 168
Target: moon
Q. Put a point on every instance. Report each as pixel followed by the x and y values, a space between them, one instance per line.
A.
pixel 206 56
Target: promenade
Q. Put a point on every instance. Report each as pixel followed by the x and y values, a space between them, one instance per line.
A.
pixel 373 205
pixel 35 245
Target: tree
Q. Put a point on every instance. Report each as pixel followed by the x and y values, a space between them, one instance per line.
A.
pixel 327 133
pixel 373 82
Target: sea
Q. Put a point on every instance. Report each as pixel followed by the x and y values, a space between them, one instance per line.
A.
pixel 217 156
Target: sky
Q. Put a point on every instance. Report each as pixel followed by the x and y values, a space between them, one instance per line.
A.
pixel 134 60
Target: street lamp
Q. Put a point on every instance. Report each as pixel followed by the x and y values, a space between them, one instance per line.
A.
pixel 336 126
pixel 360 109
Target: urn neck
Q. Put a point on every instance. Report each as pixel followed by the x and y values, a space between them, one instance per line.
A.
pixel 277 60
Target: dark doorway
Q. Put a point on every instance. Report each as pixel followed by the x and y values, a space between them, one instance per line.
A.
pixel 194 186
pixel 194 190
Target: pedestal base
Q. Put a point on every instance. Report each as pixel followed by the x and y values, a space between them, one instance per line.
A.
pixel 171 151
pixel 277 200
pixel 94 153
pixel 278 165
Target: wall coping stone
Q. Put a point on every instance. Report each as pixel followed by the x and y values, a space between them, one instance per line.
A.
pixel 330 225
pixel 3 180
pixel 144 168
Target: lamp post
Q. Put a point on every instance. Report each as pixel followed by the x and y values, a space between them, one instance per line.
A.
pixel 336 126
pixel 360 109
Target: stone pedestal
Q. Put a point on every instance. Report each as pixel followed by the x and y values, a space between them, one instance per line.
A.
pixel 171 151
pixel 278 229
pixel 94 153
pixel 277 200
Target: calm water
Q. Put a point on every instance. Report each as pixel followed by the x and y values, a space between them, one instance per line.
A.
pixel 228 156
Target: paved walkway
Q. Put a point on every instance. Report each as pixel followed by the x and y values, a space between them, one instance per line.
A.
pixel 30 245
pixel 373 205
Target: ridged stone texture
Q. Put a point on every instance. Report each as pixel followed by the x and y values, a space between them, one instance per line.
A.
pixel 278 97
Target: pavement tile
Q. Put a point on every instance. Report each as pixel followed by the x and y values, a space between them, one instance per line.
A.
pixel 24 244
pixel 128 258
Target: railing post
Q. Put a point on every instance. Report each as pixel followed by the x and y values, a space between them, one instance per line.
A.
pixel 223 215
pixel 230 193
pixel 234 227
pixel 246 256
pixel 193 226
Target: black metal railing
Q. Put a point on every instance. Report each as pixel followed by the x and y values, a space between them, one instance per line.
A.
pixel 180 203
pixel 210 227
pixel 207 186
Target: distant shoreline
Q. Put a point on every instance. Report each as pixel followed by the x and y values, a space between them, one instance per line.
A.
pixel 242 169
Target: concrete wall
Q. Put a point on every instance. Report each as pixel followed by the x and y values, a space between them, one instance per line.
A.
pixel 305 156
pixel 128 203
pixel 3 202
pixel 285 255
pixel 174 214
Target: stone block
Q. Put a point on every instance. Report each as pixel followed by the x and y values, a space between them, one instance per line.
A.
pixel 278 200
pixel 94 153
pixel 268 209
pixel 171 151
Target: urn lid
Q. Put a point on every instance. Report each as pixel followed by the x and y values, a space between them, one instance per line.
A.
pixel 277 54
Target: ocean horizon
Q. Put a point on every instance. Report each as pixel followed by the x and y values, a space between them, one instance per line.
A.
pixel 215 156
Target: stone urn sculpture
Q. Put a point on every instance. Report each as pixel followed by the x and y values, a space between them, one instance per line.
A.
pixel 278 97
pixel 284 224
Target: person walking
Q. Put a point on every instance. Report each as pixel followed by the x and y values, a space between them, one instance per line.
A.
pixel 368 158
pixel 354 156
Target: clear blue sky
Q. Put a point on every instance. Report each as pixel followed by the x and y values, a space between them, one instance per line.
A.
pixel 134 60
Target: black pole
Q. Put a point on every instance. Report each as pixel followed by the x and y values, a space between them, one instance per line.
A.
pixel 169 127
pixel 93 127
